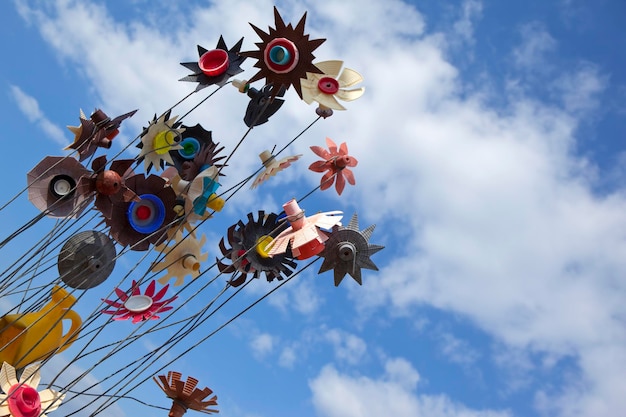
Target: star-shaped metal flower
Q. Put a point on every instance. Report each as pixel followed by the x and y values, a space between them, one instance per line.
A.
pixel 215 66
pixel 348 250
pixel 97 131
pixel 284 55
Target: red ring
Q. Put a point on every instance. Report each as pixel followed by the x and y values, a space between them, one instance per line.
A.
pixel 214 62
pixel 328 85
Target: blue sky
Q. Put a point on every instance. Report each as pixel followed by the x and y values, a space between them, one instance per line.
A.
pixel 490 148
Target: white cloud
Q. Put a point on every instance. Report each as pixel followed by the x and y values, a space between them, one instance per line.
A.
pixel 30 107
pixel 464 26
pixel 348 347
pixel 495 216
pixel 262 344
pixel 393 394
pixel 536 44
pixel 580 89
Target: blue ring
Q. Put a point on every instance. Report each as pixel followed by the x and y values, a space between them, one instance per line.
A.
pixel 194 142
pixel 278 50
pixel 152 224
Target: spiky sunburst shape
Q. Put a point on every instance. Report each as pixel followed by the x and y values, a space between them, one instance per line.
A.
pixel 284 55
pixel 348 250
pixel 233 67
pixel 158 139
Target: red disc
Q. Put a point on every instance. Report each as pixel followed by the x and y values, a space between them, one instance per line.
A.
pixel 328 85
pixel 143 212
pixel 214 62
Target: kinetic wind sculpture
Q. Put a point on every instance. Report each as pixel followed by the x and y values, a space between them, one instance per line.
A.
pixel 145 212
pixel 347 250
pixel 329 86
pixel 197 152
pixel 335 163
pixel 306 235
pixel 248 254
pixel 158 139
pixel 145 221
pixel 185 395
pixel 108 185
pixel 183 257
pixel 86 259
pixel 52 187
pixel 137 306
pixel 284 55
pixel 97 131
pixel 272 166
pixel 262 104
pixel 216 66
pixel 21 398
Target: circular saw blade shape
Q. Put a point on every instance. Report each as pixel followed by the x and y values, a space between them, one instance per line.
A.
pixel 347 250
pixel 336 164
pixel 247 252
pixel 333 84
pixel 284 55
pixel 52 185
pixel 144 222
pixel 306 235
pixel 214 66
pixel 86 259
pixel 183 257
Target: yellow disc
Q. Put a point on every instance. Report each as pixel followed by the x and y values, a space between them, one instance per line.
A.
pixel 261 245
pixel 163 141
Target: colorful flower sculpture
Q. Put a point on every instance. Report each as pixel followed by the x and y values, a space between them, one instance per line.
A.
pixel 185 395
pixel 215 66
pixel 143 222
pixel 139 307
pixel 21 398
pixel 326 88
pixel 284 55
pixel 158 139
pixel 248 254
pixel 335 162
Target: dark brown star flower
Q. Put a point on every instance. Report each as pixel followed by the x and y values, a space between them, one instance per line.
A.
pixel 285 55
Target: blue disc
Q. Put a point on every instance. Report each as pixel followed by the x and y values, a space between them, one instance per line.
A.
pixel 279 55
pixel 146 216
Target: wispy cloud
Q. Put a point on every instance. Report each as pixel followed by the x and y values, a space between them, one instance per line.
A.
pixel 29 106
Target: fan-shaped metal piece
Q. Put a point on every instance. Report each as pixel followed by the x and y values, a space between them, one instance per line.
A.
pixel 247 252
pixel 335 162
pixel 52 186
pixel 348 250
pixel 86 259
